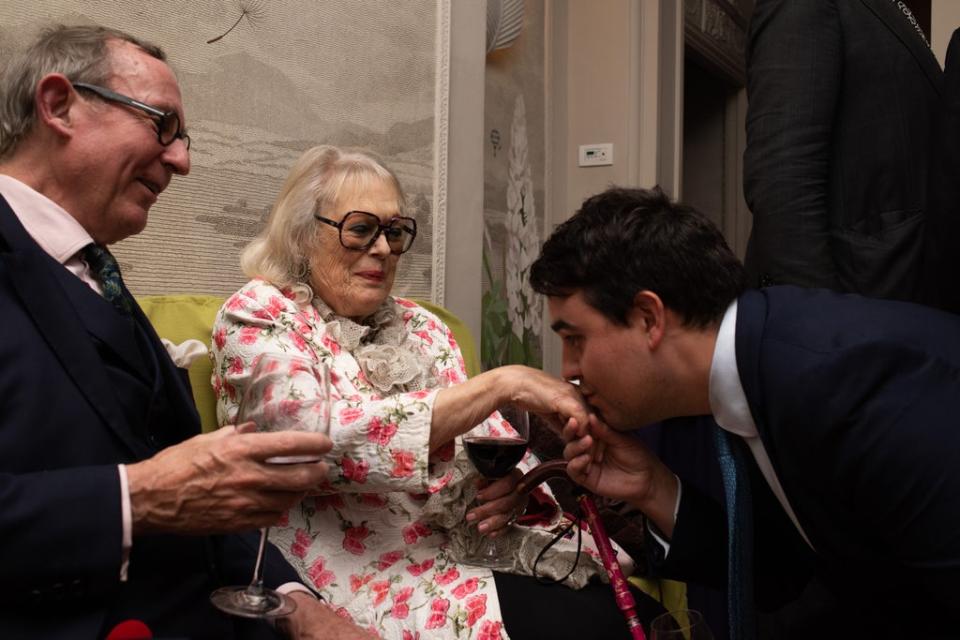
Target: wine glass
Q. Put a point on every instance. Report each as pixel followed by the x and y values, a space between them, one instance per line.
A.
pixel 495 456
pixel 682 624
pixel 284 393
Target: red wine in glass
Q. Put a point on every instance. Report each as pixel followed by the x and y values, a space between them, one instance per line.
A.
pixel 495 447
pixel 494 457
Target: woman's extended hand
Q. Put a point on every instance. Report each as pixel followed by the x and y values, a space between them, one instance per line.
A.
pixel 554 399
pixel 459 408
pixel 501 504
pixel 626 470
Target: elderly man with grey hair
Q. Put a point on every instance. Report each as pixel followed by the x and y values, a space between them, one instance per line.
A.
pixel 112 506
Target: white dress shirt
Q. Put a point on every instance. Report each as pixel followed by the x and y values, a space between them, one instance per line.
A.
pixel 728 404
pixel 730 409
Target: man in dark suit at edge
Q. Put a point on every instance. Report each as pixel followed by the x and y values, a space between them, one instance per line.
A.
pixel 842 97
pixel 841 128
pixel 847 406
pixel 112 507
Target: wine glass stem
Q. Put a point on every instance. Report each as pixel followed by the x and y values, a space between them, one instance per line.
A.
pixel 256 583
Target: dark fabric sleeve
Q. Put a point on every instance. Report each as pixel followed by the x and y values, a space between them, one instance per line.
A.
pixel 45 518
pixel 698 548
pixel 794 72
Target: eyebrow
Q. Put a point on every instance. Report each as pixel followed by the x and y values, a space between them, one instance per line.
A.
pixel 562 325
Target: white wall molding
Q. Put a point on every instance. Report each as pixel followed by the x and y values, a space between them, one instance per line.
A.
pixel 441 153
pixel 462 249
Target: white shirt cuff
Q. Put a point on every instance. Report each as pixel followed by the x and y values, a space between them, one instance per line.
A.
pixel 290 587
pixel 676 509
pixel 127 518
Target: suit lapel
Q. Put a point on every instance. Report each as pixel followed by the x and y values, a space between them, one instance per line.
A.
pixel 893 18
pixel 103 322
pixel 176 383
pixel 753 310
pixel 32 274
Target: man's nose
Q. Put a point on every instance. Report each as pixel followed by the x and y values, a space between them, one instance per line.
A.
pixel 570 369
pixel 177 157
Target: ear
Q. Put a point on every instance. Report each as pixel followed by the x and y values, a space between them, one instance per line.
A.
pixel 648 315
pixel 54 100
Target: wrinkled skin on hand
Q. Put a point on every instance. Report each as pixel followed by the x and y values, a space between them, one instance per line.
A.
pixel 555 400
pixel 220 482
pixel 315 620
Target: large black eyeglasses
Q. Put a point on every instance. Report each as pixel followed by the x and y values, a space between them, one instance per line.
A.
pixel 168 122
pixel 359 230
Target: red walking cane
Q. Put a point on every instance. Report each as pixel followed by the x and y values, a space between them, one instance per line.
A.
pixel 625 601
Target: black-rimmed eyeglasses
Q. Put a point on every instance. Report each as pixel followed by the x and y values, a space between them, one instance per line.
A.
pixel 359 230
pixel 168 122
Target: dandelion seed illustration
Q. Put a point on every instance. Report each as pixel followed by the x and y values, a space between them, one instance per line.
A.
pixel 252 10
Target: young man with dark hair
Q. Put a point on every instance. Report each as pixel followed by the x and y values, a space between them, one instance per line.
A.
pixel 845 408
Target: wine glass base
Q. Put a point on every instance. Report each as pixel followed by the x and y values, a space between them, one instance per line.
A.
pixel 490 553
pixel 249 602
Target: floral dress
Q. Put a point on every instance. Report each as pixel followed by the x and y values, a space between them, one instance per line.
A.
pixel 363 546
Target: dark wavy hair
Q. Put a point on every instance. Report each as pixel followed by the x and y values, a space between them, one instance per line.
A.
pixel 624 241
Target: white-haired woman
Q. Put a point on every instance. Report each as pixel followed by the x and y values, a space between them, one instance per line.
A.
pixel 322 271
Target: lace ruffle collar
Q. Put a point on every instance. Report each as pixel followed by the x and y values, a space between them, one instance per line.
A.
pixel 381 345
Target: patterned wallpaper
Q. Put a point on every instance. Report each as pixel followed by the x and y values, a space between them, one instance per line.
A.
pixel 514 121
pixel 288 76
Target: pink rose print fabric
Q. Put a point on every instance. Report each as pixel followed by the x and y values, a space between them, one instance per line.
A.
pixel 362 545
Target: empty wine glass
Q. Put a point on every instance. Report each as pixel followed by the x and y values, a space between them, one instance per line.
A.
pixel 682 624
pixel 284 393
pixel 495 456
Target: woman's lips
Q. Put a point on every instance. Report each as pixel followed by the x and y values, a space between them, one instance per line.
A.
pixel 373 276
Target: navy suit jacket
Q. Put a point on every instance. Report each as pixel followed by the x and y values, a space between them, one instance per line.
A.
pixel 842 97
pixel 857 402
pixel 82 389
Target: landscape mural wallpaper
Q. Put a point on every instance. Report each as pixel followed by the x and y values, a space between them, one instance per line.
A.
pixel 262 81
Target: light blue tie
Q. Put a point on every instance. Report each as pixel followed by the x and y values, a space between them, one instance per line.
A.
pixel 736 487
pixel 105 268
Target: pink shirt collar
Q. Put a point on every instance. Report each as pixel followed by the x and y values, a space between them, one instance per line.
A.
pixel 56 231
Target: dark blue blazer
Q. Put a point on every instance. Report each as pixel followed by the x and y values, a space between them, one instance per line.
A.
pixel 83 388
pixel 857 402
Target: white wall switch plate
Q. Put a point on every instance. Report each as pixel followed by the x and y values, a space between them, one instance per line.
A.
pixel 596 155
